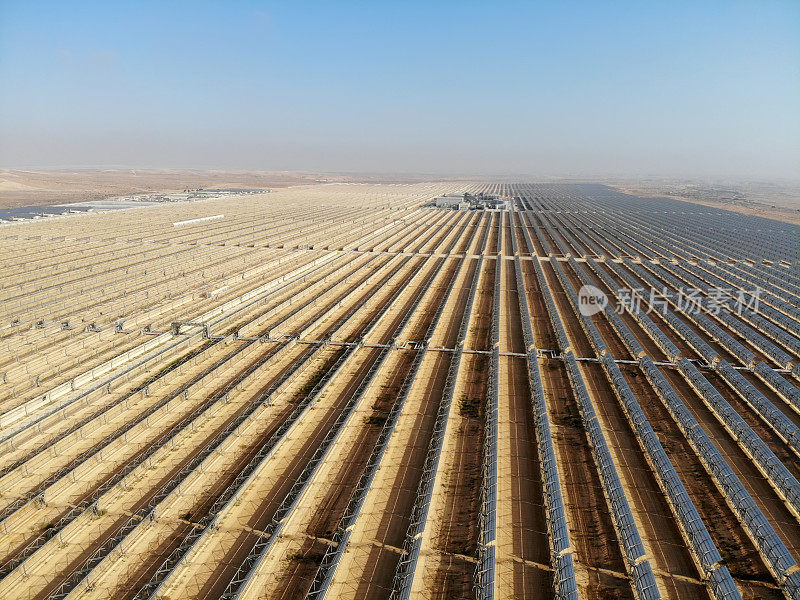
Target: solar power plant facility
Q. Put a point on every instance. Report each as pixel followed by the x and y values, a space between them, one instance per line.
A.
pixel 343 391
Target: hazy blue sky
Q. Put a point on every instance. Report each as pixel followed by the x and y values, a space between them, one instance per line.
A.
pixel 696 88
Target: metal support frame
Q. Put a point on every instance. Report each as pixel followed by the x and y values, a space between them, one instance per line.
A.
pixel 405 572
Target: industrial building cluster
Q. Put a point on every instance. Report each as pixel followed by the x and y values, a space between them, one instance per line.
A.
pixel 467 201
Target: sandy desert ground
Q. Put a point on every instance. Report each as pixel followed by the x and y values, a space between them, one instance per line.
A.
pixel 20 188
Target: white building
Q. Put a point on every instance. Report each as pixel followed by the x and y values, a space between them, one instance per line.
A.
pixel 449 201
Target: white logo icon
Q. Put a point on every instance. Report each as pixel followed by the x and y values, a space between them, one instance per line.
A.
pixel 591 300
